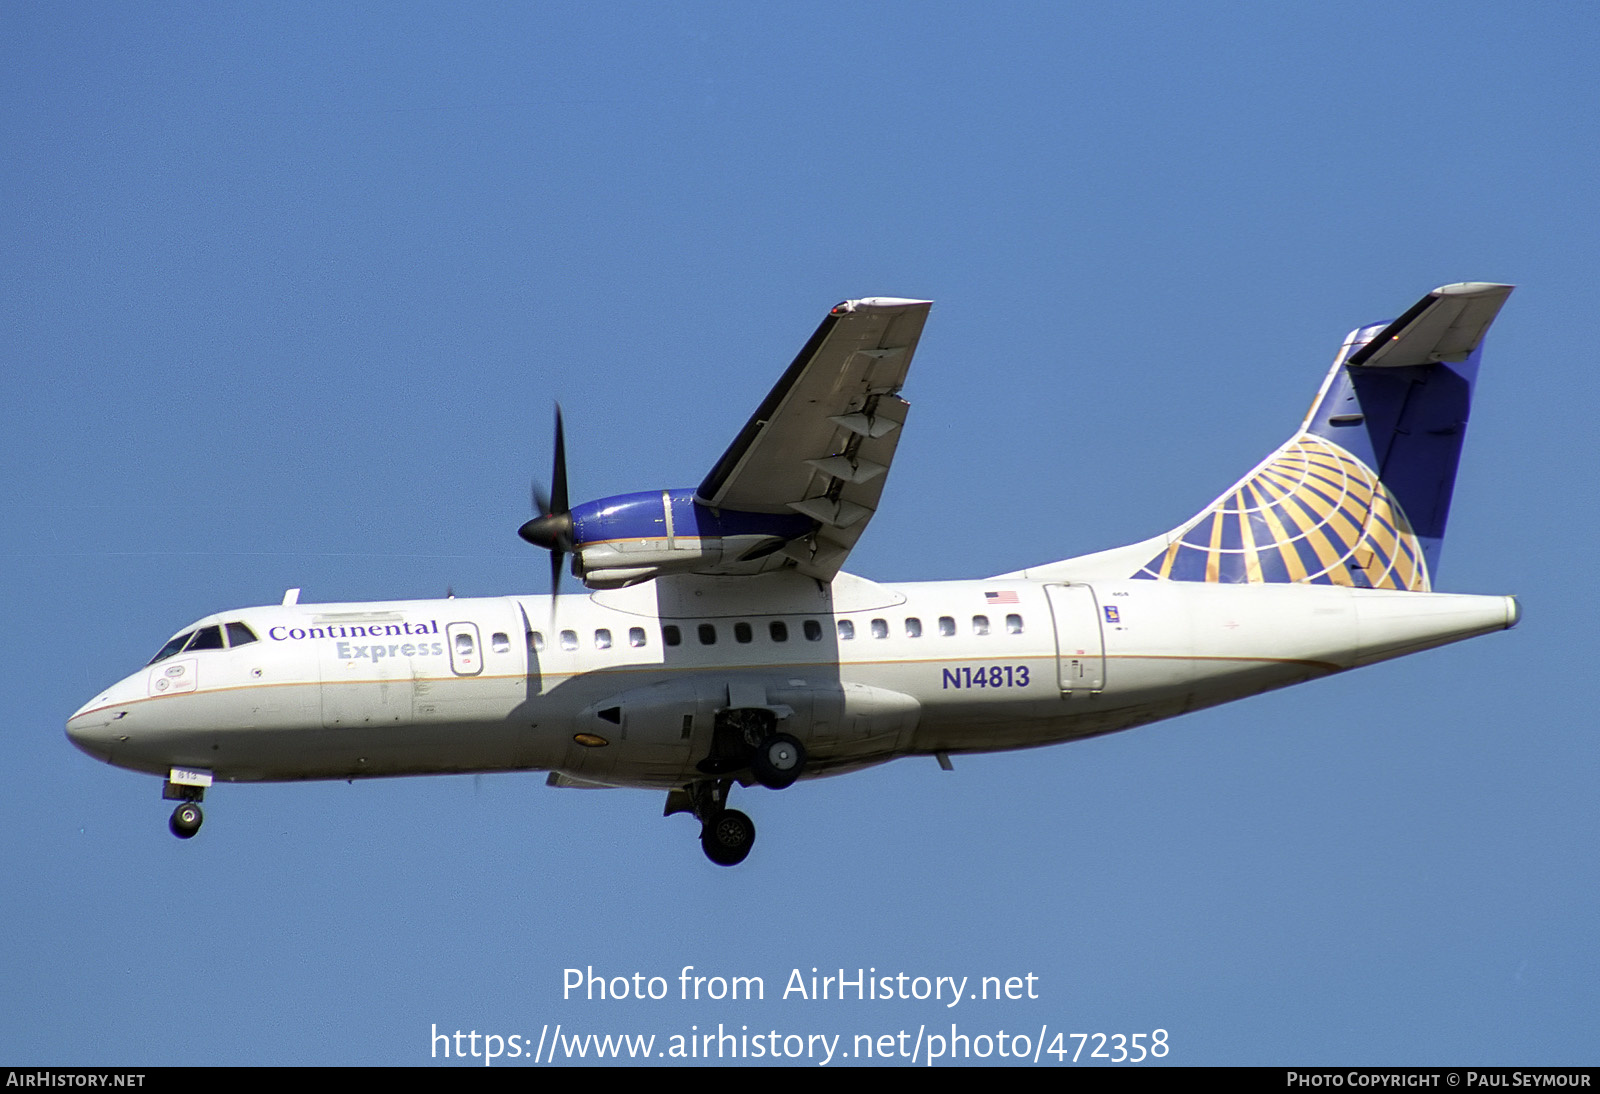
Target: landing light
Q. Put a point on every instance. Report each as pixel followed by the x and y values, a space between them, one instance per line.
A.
pixel 590 740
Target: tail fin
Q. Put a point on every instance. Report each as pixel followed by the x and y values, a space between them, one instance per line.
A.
pixel 1360 495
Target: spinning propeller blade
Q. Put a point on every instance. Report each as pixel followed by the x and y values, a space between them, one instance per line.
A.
pixel 552 527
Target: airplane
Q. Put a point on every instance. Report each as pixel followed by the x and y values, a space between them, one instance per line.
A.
pixel 719 642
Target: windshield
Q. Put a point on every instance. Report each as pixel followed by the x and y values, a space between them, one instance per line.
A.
pixel 207 638
pixel 172 647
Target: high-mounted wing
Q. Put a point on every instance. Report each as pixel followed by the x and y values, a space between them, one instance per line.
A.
pixel 822 440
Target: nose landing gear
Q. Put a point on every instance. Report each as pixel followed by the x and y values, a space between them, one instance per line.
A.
pixel 187 787
pixel 186 820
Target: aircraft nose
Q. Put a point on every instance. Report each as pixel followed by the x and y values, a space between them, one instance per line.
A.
pixel 93 727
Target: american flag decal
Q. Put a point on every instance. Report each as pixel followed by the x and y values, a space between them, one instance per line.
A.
pixel 1006 597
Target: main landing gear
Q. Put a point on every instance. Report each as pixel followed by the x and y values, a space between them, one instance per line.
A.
pixel 742 739
pixel 726 835
pixel 748 737
pixel 777 761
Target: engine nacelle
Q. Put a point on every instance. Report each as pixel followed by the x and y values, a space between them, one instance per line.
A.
pixel 630 538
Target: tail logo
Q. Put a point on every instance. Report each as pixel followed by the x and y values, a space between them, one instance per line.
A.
pixel 1313 513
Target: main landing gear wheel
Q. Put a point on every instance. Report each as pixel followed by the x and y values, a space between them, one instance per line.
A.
pixel 186 820
pixel 778 761
pixel 727 837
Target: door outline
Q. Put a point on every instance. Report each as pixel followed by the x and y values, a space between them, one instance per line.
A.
pixel 1080 641
pixel 464 662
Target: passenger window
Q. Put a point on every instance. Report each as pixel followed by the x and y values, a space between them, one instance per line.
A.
pixel 980 624
pixel 779 630
pixel 913 627
pixel 206 638
pixel 602 639
pixel 635 636
pixel 741 632
pixel 569 640
pixel 1013 624
pixel 708 634
pixel 847 630
pixel 880 628
pixel 536 641
pixel 813 630
pixel 464 644
pixel 500 641
pixel 670 635
pixel 947 626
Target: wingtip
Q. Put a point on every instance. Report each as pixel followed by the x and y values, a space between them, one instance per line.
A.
pixel 878 302
pixel 1473 288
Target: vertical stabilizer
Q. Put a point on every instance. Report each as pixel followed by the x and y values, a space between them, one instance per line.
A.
pixel 1360 495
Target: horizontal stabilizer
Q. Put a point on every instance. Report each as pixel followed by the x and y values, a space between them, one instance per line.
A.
pixel 1445 325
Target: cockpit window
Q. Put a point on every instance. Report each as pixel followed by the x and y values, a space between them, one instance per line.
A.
pixel 206 638
pixel 239 634
pixel 172 647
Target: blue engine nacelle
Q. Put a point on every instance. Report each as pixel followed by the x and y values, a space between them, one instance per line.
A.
pixel 630 538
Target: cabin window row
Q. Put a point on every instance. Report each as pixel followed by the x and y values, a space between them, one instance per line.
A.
pixel 777 631
pixel 743 632
pixel 879 628
pixel 603 639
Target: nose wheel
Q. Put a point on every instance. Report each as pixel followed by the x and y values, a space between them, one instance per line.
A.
pixel 186 820
pixel 187 787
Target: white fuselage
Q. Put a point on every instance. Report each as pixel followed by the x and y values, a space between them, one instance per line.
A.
pixel 859 672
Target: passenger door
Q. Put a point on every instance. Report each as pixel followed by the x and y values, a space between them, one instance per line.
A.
pixel 1080 644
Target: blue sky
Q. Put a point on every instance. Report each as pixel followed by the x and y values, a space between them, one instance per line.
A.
pixel 289 291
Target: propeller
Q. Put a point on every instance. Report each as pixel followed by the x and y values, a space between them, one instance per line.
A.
pixel 552 528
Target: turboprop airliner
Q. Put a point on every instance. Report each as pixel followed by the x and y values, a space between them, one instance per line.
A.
pixel 718 643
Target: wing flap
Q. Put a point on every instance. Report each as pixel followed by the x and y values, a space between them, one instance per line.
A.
pixel 822 441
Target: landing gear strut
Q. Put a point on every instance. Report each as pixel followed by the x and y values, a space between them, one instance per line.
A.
pixel 726 835
pixel 742 739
